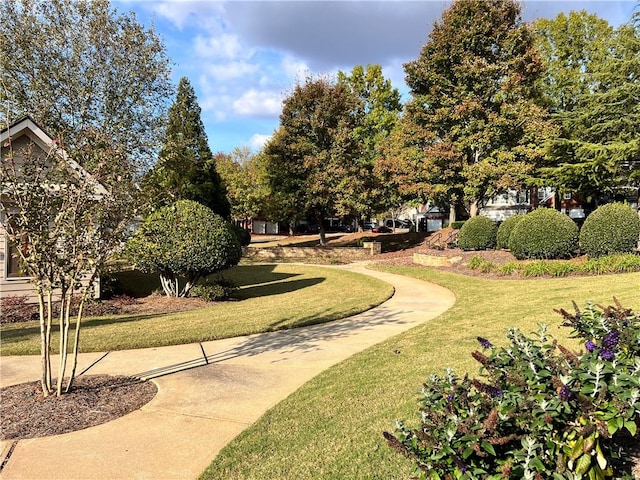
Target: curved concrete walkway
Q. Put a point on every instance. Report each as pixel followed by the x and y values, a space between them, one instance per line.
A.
pixel 198 411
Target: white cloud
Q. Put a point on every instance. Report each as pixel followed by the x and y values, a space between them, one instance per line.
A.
pixel 294 68
pixel 223 72
pixel 257 141
pixel 260 104
pixel 185 12
pixel 221 46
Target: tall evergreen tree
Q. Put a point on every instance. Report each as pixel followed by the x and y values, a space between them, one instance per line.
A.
pixel 598 153
pixel 474 113
pixel 186 169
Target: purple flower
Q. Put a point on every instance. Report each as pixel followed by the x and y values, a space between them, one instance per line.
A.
pixel 611 339
pixel 606 354
pixel 590 346
pixel 495 392
pixel 565 393
pixel 484 342
pixel 450 398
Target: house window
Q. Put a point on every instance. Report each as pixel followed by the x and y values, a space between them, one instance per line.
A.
pixel 13 262
pixel 567 196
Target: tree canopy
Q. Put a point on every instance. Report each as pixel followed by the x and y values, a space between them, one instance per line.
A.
pixel 597 154
pixel 313 153
pixel 186 168
pixel 90 76
pixel 244 177
pixel 474 116
pixel 379 110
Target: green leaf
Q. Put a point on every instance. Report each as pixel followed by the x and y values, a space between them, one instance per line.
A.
pixel 631 426
pixel 583 464
pixel 612 426
pixel 487 447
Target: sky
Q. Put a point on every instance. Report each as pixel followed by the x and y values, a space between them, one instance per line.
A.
pixel 243 58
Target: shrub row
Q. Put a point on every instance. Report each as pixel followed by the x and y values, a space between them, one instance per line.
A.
pixel 549 234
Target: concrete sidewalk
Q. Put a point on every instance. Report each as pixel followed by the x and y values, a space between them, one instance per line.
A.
pixel 198 411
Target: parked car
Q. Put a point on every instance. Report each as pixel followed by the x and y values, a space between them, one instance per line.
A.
pixel 368 225
pixel 307 228
pixel 381 229
pixel 399 223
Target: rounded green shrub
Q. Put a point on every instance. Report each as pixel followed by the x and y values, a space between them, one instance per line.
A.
pixel 611 228
pixel 544 234
pixel 505 229
pixel 477 233
pixel 185 240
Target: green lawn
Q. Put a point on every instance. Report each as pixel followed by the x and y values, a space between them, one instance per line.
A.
pixel 331 428
pixel 271 297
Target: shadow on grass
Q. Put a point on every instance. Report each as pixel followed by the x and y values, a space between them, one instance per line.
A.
pixel 137 284
pixel 288 341
pixel 26 333
pixel 276 288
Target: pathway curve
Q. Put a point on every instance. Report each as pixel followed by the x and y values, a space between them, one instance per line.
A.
pixel 198 411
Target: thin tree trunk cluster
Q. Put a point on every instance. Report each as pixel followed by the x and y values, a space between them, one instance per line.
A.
pixel 46 302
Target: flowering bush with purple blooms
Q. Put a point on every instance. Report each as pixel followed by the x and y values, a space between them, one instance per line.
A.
pixel 541 411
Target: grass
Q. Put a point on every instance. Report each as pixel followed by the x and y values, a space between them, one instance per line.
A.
pixel 331 427
pixel 271 297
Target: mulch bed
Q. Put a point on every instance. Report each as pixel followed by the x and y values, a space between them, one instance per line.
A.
pixel 93 400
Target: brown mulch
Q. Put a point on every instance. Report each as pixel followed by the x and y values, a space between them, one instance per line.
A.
pixel 93 400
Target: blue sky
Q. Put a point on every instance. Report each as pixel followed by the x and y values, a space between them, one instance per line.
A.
pixel 244 57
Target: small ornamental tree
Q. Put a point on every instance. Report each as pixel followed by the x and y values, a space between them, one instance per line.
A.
pixel 65 225
pixel 186 241
pixel 611 228
pixel 539 410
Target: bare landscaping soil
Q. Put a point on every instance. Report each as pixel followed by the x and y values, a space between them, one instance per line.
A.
pixel 93 400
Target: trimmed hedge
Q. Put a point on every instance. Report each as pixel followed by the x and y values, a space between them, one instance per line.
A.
pixel 477 233
pixel 505 229
pixel 544 234
pixel 611 228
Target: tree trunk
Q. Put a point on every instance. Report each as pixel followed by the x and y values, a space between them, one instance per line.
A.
pixel 452 210
pixel 323 236
pixel 76 341
pixel 45 381
pixel 65 313
pixel 474 208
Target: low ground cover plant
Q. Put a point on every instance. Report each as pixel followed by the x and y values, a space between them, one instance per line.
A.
pixel 617 263
pixel 538 410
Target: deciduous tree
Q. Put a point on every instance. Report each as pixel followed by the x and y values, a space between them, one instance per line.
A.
pixel 474 111
pixel 82 70
pixel 572 46
pixel 244 177
pixel 312 154
pixel 66 225
pixel 380 109
pixel 98 82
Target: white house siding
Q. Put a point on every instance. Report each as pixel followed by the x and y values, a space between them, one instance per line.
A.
pixel 500 207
